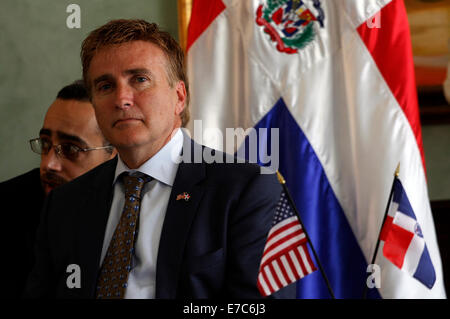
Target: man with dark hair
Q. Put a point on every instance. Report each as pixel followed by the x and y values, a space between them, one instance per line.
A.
pixel 75 91
pixel 145 225
pixel 70 144
pixel 70 129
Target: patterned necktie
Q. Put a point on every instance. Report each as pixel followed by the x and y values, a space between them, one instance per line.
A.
pixel 112 281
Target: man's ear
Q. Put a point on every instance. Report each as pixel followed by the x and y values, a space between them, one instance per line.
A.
pixel 114 153
pixel 181 95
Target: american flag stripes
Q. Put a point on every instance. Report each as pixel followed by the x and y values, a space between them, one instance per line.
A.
pixel 286 258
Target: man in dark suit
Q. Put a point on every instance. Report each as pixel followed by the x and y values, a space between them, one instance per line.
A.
pixel 24 198
pixel 144 225
pixel 68 132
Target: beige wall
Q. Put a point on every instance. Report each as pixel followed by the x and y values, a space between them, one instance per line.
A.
pixel 436 144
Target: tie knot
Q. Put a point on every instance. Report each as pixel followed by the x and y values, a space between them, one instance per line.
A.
pixel 134 183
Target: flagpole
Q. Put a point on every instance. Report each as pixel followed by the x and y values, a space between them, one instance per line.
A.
pixel 283 183
pixel 184 16
pixel 397 171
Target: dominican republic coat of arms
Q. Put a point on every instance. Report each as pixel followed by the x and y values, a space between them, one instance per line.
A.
pixel 290 23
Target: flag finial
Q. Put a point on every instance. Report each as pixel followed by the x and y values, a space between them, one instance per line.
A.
pixel 280 178
pixel 397 170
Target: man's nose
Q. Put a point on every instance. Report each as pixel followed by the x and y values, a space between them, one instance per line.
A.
pixel 51 161
pixel 124 96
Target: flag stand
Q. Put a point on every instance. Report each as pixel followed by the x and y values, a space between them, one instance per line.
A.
pixel 283 183
pixel 397 171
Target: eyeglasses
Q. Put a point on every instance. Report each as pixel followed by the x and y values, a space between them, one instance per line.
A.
pixel 65 150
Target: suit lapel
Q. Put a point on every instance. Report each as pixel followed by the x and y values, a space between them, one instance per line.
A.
pixel 179 216
pixel 95 217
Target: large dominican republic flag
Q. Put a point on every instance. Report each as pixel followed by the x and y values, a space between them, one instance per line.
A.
pixel 337 79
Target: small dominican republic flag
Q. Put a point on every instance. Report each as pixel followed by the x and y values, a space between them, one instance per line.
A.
pixel 286 258
pixel 404 244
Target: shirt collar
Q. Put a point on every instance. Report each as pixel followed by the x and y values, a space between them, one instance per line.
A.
pixel 162 166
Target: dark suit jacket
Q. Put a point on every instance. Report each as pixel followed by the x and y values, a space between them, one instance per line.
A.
pixel 22 198
pixel 210 246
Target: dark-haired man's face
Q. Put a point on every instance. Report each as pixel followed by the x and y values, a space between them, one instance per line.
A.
pixel 73 122
pixel 136 108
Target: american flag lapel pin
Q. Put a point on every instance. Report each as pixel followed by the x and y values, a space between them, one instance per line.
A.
pixel 184 196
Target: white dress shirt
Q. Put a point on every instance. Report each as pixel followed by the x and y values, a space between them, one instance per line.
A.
pixel 155 198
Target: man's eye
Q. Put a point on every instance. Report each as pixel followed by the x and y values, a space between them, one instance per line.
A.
pixel 140 79
pixel 45 144
pixel 104 87
pixel 69 149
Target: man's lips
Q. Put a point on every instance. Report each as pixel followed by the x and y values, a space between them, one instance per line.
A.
pixel 126 121
pixel 51 184
pixel 51 180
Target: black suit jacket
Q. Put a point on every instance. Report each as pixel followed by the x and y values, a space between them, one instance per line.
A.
pixel 22 198
pixel 210 246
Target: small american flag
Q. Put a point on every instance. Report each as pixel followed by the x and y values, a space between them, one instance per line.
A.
pixel 286 258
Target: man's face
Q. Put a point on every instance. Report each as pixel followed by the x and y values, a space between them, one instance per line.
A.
pixel 136 108
pixel 73 122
